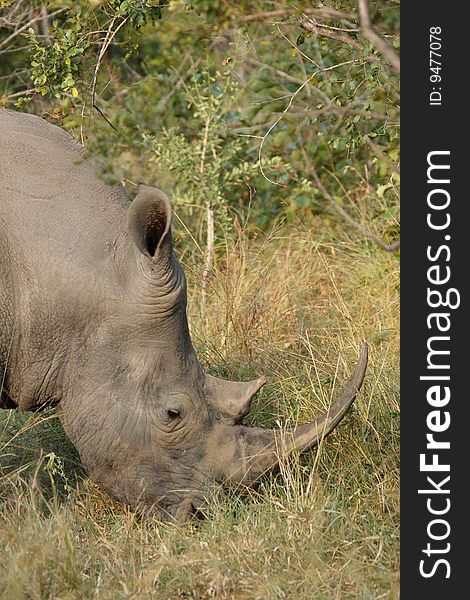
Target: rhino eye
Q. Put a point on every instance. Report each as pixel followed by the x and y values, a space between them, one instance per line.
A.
pixel 173 413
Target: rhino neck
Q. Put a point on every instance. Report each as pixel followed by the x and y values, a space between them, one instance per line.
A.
pixel 157 301
pixel 160 289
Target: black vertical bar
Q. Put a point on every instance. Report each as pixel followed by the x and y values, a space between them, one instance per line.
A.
pixel 434 119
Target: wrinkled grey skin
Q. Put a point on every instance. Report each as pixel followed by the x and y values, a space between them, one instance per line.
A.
pixel 93 319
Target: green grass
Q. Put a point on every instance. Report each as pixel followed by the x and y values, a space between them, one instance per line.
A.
pixel 295 305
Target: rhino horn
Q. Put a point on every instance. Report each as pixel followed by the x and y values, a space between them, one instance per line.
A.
pixel 260 450
pixel 232 399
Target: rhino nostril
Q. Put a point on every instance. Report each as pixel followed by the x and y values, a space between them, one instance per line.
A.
pixel 187 510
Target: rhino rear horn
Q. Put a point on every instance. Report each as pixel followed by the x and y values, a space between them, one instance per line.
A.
pixel 149 220
pixel 232 399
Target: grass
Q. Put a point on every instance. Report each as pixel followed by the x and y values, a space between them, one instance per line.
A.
pixel 295 305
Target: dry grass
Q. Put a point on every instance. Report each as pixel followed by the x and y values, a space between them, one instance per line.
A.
pixel 325 526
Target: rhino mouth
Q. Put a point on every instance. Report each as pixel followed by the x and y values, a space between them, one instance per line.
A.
pixel 189 506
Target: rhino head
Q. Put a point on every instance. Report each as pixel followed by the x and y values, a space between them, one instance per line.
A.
pixel 151 427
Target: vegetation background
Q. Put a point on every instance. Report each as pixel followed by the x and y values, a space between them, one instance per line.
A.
pixel 273 126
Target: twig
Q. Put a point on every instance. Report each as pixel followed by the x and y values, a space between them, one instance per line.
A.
pixel 341 64
pixel 15 49
pixel 204 145
pixel 105 117
pixel 287 77
pixel 178 81
pixel 7 40
pixel 338 36
pixel 110 34
pixel 14 73
pixel 339 209
pixel 377 150
pixel 348 30
pixel 289 104
pixel 334 109
pixel 263 139
pixel 299 51
pixel 209 259
pixel 330 108
pixel 291 100
pixel 320 13
pixel 45 24
pixel 176 84
pixel 375 39
pixel 17 94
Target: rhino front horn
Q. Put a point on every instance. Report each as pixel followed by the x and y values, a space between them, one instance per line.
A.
pixel 265 448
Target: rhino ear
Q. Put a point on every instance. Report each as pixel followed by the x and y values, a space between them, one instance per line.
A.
pixel 149 219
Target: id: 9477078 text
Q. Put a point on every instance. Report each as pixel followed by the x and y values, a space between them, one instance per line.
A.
pixel 435 66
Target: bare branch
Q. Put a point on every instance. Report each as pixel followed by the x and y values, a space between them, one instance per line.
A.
pixel 340 210
pixel 105 117
pixel 330 107
pixel 375 39
pixel 347 217
pixel 298 51
pixel 209 258
pixel 263 139
pixel 110 34
pixel 287 77
pixel 16 33
pixel 16 49
pixel 338 36
pixel 320 13
pixel 45 23
pixel 204 145
pixel 179 81
pixel 334 109
pixel 17 94
pixel 377 150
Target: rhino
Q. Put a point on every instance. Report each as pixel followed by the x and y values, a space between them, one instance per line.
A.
pixel 93 321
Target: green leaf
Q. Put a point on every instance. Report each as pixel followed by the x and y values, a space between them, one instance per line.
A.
pixel 384 335
pixel 383 188
pixel 280 137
